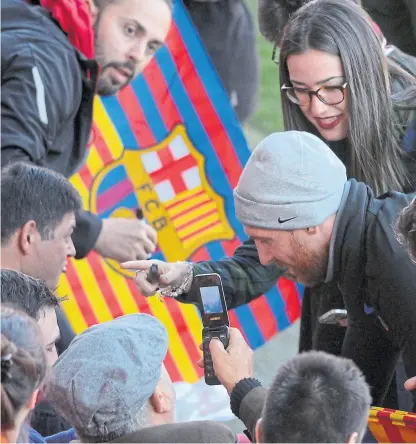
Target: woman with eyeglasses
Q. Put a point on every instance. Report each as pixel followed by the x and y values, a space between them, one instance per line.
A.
pixel 336 83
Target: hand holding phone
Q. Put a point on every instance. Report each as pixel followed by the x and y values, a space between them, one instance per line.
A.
pixel 336 316
pixel 234 363
pixel 214 318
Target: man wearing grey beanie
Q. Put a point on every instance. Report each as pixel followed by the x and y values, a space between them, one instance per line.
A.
pixel 112 386
pixel 295 201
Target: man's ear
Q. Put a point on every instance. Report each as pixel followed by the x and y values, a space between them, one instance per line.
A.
pixel 26 236
pixel 311 230
pixel 353 438
pixel 259 427
pixel 161 402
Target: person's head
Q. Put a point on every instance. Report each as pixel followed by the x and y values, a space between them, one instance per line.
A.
pixel 115 366
pixel 329 47
pixel 287 198
pixel 127 35
pixel 273 16
pixel 38 209
pixel 406 229
pixel 23 369
pixel 33 297
pixel 316 397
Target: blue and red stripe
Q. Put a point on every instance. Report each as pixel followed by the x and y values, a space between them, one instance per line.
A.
pixel 148 110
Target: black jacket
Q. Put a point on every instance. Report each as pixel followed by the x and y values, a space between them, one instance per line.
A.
pixel 397 20
pixel 47 92
pixel 378 283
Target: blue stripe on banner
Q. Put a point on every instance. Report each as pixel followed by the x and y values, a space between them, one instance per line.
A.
pixel 300 289
pixel 211 82
pixel 251 329
pixel 277 306
pixel 158 256
pixel 150 108
pixel 197 132
pixel 215 250
pixel 118 117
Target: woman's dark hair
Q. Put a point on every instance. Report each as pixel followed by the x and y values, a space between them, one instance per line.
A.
pixel 23 363
pixel 377 118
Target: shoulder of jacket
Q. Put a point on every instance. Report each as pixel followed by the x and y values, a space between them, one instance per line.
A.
pixel 31 25
pixel 374 206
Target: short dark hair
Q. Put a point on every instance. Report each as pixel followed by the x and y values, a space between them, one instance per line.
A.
pixel 23 366
pixel 406 228
pixel 34 193
pixel 26 293
pixel 274 14
pixel 316 397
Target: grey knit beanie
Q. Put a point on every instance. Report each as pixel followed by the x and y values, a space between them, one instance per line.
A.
pixel 107 375
pixel 292 180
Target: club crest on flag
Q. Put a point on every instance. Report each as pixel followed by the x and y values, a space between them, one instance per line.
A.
pixel 170 144
pixel 168 183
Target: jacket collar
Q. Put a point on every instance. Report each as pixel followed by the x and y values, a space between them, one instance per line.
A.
pixel 349 241
pixel 74 17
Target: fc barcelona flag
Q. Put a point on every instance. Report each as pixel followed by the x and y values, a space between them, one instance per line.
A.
pixel 171 145
pixel 392 426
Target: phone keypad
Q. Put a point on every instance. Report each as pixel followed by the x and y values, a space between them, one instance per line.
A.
pixel 209 372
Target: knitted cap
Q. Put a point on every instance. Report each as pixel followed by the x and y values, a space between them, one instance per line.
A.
pixel 292 180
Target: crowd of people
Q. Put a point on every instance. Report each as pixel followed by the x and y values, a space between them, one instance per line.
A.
pixel 329 202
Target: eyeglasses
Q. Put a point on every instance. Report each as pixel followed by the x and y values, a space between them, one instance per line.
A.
pixel 330 95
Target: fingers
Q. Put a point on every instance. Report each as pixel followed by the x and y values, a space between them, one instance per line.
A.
pixel 151 233
pixel 146 239
pixel 138 265
pixel 174 274
pixel 139 252
pixel 235 335
pixel 146 245
pixel 216 348
pixel 145 287
pixel 410 384
pixel 169 276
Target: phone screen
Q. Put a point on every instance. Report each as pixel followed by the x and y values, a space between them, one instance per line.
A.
pixel 211 299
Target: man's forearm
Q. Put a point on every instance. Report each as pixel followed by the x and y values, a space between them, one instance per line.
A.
pixel 243 276
pixel 86 233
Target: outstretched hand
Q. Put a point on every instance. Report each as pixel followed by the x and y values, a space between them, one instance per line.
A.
pixel 170 274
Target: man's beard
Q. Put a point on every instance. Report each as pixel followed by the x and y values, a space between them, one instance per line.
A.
pixel 108 87
pixel 311 265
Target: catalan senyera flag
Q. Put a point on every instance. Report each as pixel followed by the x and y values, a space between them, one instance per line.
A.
pixel 391 426
pixel 171 145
